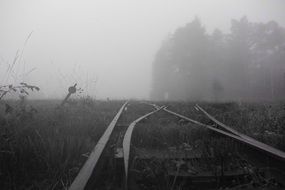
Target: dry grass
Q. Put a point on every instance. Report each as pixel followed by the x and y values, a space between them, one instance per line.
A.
pixel 45 150
pixel 264 120
pixel 44 147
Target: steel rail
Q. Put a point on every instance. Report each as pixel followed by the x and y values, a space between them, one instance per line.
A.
pixel 85 173
pixel 150 104
pixel 127 142
pixel 227 128
pixel 247 141
pixel 275 152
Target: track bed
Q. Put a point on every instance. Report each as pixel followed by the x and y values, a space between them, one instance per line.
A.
pixel 150 147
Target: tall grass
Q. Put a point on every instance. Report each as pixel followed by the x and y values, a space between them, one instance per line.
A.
pixel 45 150
pixel 44 147
pixel 264 121
pixel 213 153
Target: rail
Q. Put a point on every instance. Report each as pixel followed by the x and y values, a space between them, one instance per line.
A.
pixel 271 151
pixel 257 144
pixel 127 141
pixel 86 171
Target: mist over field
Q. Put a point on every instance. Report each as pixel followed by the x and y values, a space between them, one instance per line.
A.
pixel 142 94
pixel 158 49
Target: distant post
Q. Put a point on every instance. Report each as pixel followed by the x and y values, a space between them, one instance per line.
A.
pixel 71 90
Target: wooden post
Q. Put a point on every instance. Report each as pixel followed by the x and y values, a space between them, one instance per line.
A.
pixel 71 90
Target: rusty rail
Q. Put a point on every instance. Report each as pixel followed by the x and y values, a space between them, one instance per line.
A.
pixel 127 141
pixel 239 137
pixel 257 144
pixel 86 171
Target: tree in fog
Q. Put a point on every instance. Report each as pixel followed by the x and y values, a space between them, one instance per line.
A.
pixel 239 57
pixel 217 89
pixel 247 63
pixel 182 57
pixel 269 52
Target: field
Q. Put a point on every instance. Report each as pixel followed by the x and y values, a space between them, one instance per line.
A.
pixel 263 121
pixel 43 146
pixel 44 149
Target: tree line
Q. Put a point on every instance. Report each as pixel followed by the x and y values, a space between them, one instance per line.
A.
pixel 247 63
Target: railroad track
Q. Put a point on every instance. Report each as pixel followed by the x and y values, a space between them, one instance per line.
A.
pixel 258 153
pixel 108 166
pixel 104 167
pixel 231 133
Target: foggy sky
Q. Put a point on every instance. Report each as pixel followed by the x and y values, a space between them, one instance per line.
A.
pixel 106 46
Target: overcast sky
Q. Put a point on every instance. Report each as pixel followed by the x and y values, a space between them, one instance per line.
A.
pixel 106 46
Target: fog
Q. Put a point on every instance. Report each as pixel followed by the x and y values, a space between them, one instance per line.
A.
pixel 107 47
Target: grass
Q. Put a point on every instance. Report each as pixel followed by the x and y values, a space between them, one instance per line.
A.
pixel 43 146
pixel 45 150
pixel 168 134
pixel 263 121
pixel 200 149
